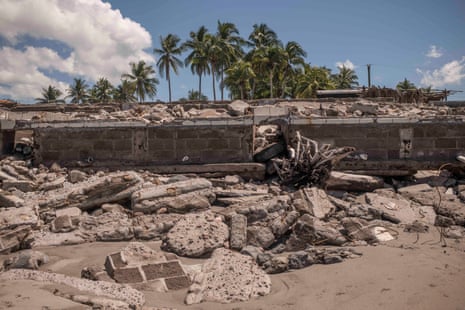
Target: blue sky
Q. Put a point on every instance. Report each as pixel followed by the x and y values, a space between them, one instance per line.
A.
pixel 423 41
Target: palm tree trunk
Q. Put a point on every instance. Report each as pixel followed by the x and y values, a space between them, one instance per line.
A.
pixel 242 92
pixel 271 84
pixel 169 88
pixel 200 85
pixel 213 79
pixel 222 86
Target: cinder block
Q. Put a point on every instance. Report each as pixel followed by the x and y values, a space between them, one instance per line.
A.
pixel 128 275
pixel 176 283
pixel 163 270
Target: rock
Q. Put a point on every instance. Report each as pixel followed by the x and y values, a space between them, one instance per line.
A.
pixel 133 297
pixel 63 223
pixel 45 238
pixel 55 184
pixel 237 108
pixel 309 230
pixel 299 260
pixel 276 264
pixel 228 277
pixel 184 203
pixel 13 217
pixel 369 108
pixel 392 205
pixel 314 201
pixel 260 236
pixel 196 235
pixel 455 232
pixel 113 207
pixel 27 259
pixel 238 238
pixel 13 239
pixel 109 226
pixel 359 229
pixel 280 225
pixel 172 189
pixel 76 176
pixel 353 182
pixel 452 208
pixel 252 251
pixel 71 212
pixel 150 227
pixel 22 185
pixel 421 193
pixel 8 200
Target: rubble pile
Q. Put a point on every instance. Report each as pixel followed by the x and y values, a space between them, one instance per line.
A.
pixel 246 229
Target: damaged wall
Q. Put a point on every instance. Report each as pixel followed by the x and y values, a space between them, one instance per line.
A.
pixel 429 141
pixel 168 144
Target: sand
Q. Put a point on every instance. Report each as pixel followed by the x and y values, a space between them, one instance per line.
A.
pixel 401 274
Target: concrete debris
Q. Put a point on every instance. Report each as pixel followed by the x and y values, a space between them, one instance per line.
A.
pixel 196 235
pixel 27 259
pixel 276 226
pixel 228 277
pixel 101 288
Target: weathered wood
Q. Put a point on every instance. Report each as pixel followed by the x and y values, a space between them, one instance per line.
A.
pixel 353 182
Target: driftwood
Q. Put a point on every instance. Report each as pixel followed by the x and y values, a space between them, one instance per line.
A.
pixel 309 163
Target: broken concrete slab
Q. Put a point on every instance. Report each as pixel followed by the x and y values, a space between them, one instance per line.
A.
pixel 353 182
pixel 9 200
pixel 13 239
pixel 392 205
pixel 260 236
pixel 22 185
pixel 238 108
pixel 196 235
pixel 13 217
pixel 27 259
pixel 314 201
pixel 238 235
pixel 228 277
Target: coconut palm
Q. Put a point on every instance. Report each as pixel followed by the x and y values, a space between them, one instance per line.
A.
pixel 102 90
pixel 405 85
pixel 231 43
pixel 294 57
pixel 141 79
pixel 194 95
pixel 78 91
pixel 214 53
pixel 50 95
pixel 168 60
pixel 238 78
pixel 124 92
pixel 197 58
pixel 311 80
pixel 262 36
pixel 346 78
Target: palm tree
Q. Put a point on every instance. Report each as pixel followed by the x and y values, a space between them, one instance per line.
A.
pixel 78 91
pixel 124 92
pixel 346 78
pixel 102 90
pixel 140 78
pixel 311 80
pixel 405 85
pixel 231 43
pixel 194 95
pixel 262 36
pixel 238 78
pixel 214 53
pixel 294 57
pixel 50 95
pixel 197 58
pixel 168 60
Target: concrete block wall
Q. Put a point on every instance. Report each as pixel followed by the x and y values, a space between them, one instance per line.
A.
pixel 420 141
pixel 177 144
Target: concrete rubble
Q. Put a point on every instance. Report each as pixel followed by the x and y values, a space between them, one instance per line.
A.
pixel 245 229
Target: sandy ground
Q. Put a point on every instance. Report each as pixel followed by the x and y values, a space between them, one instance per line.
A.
pixel 402 274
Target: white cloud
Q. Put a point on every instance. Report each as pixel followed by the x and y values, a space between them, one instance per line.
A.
pixel 449 74
pixel 348 64
pixel 434 52
pixel 102 41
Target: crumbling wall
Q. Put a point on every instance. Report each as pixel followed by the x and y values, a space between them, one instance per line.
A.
pixel 390 140
pixel 155 145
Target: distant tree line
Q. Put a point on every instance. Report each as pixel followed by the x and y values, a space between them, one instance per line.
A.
pixel 261 66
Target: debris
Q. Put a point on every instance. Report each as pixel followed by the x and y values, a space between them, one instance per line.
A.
pixel 353 182
pixel 228 277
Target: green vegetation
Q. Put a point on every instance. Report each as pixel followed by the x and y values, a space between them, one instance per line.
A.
pixel 50 95
pixel 405 85
pixel 260 66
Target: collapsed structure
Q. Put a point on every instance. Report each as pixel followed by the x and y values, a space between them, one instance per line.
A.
pixel 252 186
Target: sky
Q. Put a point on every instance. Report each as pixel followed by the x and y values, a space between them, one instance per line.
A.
pixel 50 42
